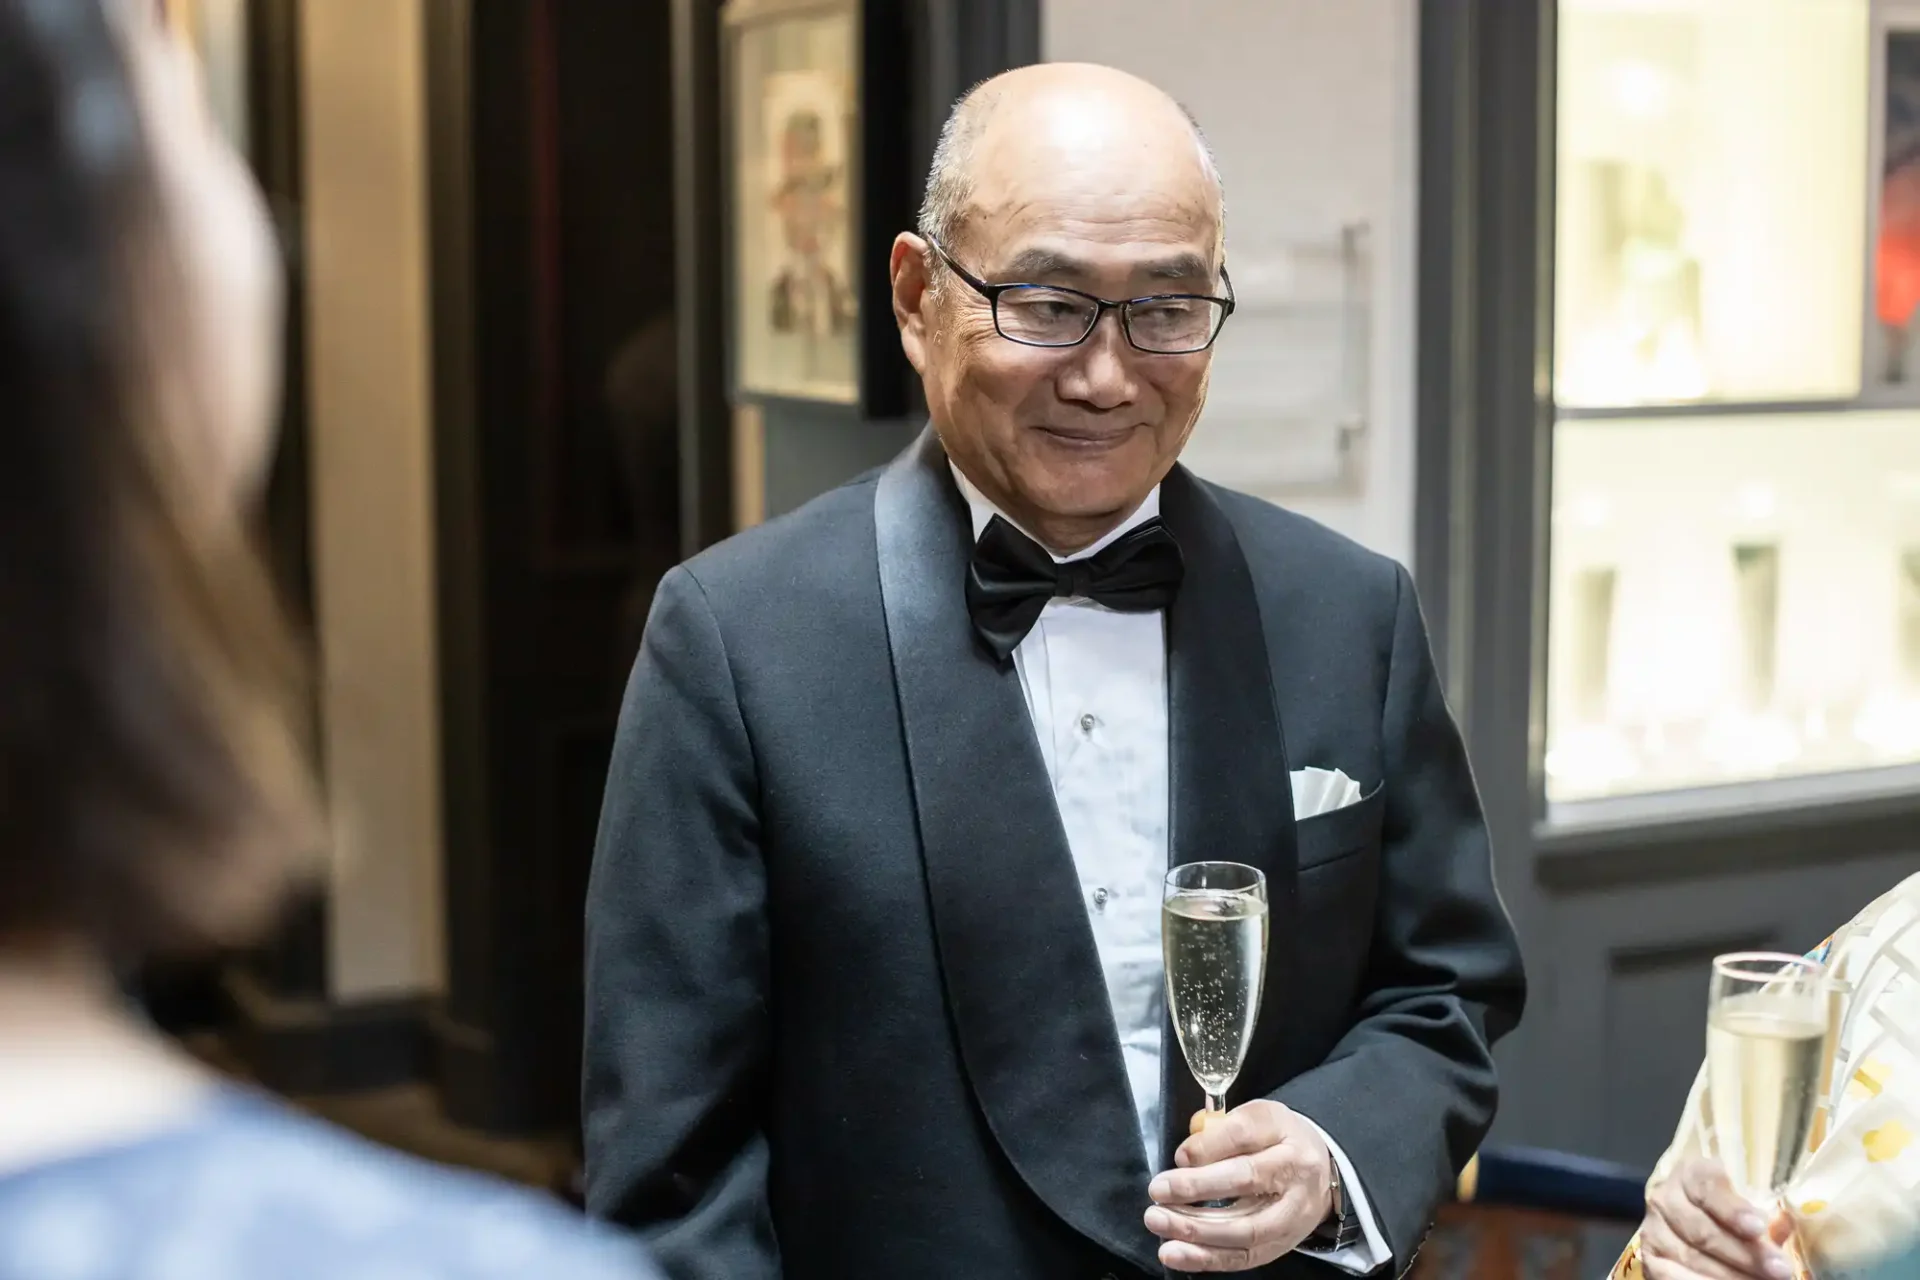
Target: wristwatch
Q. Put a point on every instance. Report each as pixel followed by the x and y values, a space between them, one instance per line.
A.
pixel 1341 1230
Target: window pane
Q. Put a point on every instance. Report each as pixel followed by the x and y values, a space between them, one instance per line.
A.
pixel 1711 200
pixel 1732 598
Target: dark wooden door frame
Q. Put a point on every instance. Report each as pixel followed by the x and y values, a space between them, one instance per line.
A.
pixel 297 964
pixel 706 422
pixel 527 590
pixel 487 299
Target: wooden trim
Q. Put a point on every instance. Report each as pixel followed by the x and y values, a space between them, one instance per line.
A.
pixel 460 526
pixel 1718 409
pixel 749 466
pixel 889 201
pixel 1767 839
pixel 311 1048
pixel 294 963
pixel 706 469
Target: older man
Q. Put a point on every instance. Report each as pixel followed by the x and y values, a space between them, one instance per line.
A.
pixel 874 965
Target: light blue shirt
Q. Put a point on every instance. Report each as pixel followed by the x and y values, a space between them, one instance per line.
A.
pixel 247 1190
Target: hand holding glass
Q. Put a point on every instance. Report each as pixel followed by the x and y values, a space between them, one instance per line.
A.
pixel 1213 928
pixel 1766 1054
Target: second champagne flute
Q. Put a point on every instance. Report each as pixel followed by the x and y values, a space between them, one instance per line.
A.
pixel 1767 1021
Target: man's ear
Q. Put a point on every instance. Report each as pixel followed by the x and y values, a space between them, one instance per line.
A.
pixel 912 296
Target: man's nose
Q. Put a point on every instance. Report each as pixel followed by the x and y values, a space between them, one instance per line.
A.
pixel 1101 374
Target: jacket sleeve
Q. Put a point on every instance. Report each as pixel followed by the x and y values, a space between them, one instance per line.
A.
pixel 1409 1091
pixel 677 1031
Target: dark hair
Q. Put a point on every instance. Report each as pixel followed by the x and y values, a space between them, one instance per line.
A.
pixel 154 789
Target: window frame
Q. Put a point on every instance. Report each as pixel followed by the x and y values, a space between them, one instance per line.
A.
pixel 1574 818
pixel 1485 419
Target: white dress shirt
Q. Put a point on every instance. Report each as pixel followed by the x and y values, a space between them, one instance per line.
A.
pixel 1095 681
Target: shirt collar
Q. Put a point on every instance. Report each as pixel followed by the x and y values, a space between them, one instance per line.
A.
pixel 982 510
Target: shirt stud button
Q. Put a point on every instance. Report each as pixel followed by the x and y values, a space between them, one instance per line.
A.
pixel 1100 897
pixel 1087 722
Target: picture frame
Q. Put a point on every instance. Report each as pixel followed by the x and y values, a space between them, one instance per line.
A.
pixel 795 176
pixel 1890 319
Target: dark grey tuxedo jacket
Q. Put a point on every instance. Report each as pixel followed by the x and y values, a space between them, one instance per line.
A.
pixel 845 1017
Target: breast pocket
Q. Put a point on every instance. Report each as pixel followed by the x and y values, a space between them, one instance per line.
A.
pixel 1355 828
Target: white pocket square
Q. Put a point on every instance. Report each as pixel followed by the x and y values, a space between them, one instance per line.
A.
pixel 1318 791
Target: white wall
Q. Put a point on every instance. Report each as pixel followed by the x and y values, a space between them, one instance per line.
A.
pixel 363 108
pixel 1311 107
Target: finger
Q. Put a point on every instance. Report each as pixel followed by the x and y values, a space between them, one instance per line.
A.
pixel 1176 1256
pixel 1664 1256
pixel 1275 1223
pixel 1228 1244
pixel 1233 1244
pixel 1781 1228
pixel 1707 1186
pixel 1225 1180
pixel 1272 1172
pixel 1240 1132
pixel 1659 1241
pixel 1705 1236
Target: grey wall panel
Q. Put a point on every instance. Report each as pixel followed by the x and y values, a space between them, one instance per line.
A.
pixel 813 448
pixel 1624 1008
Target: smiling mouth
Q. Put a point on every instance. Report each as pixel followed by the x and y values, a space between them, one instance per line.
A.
pixel 1086 437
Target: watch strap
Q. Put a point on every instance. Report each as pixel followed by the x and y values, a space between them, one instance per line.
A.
pixel 1341 1230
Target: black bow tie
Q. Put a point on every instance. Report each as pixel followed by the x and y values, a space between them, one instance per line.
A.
pixel 1012 577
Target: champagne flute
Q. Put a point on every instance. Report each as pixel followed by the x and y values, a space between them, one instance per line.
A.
pixel 1213 930
pixel 1767 1021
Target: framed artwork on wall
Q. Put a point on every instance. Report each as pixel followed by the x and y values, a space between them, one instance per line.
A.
pixel 794 185
pixel 1893 209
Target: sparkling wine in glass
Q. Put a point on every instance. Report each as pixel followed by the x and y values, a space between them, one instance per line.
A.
pixel 1767 1021
pixel 1213 929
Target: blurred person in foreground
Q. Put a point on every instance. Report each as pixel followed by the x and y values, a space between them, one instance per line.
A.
pixel 1855 1201
pixel 875 980
pixel 154 796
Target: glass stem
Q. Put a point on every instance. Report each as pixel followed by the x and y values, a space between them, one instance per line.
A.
pixel 1216 1106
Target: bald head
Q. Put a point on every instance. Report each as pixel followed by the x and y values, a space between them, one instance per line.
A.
pixel 1016 136
pixel 1067 186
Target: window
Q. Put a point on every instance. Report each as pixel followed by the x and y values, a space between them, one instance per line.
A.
pixel 1734 587
pixel 1711 166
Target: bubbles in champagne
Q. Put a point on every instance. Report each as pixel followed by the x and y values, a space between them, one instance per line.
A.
pixel 1764 1058
pixel 1215 945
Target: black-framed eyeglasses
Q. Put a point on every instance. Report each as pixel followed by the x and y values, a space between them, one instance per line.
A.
pixel 1046 315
